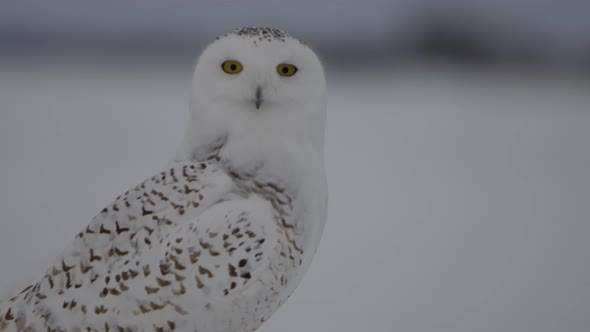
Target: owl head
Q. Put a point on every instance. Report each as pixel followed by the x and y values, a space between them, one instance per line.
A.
pixel 258 84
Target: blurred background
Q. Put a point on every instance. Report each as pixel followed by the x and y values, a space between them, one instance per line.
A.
pixel 457 150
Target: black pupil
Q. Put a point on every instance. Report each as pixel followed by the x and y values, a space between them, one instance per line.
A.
pixel 285 70
pixel 233 67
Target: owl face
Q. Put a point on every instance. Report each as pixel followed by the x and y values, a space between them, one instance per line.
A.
pixel 262 91
pixel 259 70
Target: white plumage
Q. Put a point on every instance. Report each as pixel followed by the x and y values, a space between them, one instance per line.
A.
pixel 218 241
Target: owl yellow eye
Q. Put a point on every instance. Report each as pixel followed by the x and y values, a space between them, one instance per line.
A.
pixel 232 67
pixel 286 70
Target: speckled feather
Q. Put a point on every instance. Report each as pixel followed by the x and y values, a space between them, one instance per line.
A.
pixel 218 241
pixel 260 33
pixel 165 252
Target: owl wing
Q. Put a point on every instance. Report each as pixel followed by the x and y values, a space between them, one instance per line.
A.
pixel 161 253
pixel 215 264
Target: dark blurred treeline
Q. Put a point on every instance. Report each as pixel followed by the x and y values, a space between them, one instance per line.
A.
pixel 518 31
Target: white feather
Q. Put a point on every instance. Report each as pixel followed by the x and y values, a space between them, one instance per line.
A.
pixel 221 239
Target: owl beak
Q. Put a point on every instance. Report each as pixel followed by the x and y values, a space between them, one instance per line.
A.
pixel 258 97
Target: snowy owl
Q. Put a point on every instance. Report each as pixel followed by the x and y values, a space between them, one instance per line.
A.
pixel 218 241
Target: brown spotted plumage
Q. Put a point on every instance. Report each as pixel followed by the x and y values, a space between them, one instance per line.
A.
pixel 220 239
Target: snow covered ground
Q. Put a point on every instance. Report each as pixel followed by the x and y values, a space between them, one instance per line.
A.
pixel 460 196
